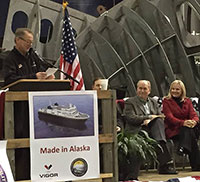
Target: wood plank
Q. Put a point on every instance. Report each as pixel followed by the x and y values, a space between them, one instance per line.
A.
pixel 104 94
pixel 115 141
pixel 25 142
pixel 23 95
pixel 91 180
pixel 9 118
pixel 24 81
pixel 16 96
pixel 106 138
pixel 106 175
pixel 18 143
pixel 9 127
pixel 109 126
pixel 102 176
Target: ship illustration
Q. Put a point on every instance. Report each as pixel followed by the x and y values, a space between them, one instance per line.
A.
pixel 63 115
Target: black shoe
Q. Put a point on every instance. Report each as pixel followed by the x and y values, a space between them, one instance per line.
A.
pixel 196 169
pixel 167 169
pixel 131 179
pixel 180 151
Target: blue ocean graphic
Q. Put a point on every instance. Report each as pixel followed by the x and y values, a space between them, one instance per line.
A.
pixel 84 104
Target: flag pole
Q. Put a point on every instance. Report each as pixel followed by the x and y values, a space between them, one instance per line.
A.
pixel 64 4
pixel 69 60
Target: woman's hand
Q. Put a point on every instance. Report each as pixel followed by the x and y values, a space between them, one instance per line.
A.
pixel 190 123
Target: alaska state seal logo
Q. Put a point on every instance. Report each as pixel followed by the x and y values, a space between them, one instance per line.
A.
pixel 79 167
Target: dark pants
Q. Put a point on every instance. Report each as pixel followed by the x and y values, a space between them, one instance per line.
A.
pixel 188 140
pixel 156 130
pixel 163 155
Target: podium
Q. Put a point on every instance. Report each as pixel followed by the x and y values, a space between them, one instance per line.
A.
pixel 107 139
pixel 38 85
pixel 17 117
pixel 18 96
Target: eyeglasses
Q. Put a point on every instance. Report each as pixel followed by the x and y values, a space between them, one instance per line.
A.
pixel 27 41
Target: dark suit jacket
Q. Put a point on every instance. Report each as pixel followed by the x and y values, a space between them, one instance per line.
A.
pixel 135 113
pixel 175 115
pixel 16 66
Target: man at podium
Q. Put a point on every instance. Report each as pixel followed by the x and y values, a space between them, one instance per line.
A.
pixel 22 62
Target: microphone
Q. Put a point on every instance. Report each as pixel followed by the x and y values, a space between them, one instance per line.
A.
pixel 40 57
pixel 34 66
pixel 49 64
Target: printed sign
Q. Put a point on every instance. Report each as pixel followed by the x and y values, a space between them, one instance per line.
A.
pixel 64 135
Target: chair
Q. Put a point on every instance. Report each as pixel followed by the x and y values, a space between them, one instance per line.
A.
pixel 172 147
pixel 120 108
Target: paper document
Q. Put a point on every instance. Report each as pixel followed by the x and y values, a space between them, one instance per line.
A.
pixel 51 71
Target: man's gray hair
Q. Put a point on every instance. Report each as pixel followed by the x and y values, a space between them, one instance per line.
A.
pixel 21 31
pixel 146 82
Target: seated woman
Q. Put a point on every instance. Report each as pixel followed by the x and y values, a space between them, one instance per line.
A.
pixel 181 121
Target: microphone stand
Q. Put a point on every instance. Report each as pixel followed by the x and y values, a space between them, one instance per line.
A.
pixel 47 63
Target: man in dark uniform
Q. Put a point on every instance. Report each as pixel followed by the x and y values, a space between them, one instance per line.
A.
pixel 142 112
pixel 23 63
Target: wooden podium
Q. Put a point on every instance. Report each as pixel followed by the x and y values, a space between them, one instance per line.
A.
pixel 38 85
pixel 18 92
pixel 17 117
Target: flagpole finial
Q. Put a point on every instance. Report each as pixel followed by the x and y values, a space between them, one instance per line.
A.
pixel 65 3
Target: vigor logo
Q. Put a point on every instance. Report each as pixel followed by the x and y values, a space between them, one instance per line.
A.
pixel 48 173
pixel 48 167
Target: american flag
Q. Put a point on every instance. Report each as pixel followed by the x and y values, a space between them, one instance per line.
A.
pixel 69 60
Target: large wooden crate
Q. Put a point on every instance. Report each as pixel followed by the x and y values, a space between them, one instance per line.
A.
pixel 107 140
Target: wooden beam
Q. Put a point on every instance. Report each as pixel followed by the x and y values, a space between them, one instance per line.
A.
pixel 25 142
pixel 18 143
pixel 23 95
pixel 102 176
pixel 106 138
pixel 104 94
pixel 16 96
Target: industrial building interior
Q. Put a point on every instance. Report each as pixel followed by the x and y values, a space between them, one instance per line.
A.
pixel 156 40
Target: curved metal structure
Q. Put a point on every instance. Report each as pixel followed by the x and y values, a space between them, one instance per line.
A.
pixel 106 59
pixel 151 48
pixel 147 47
pixel 136 39
pixel 171 43
pixel 126 48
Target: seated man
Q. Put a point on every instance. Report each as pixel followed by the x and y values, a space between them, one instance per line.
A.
pixel 100 84
pixel 96 84
pixel 141 112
